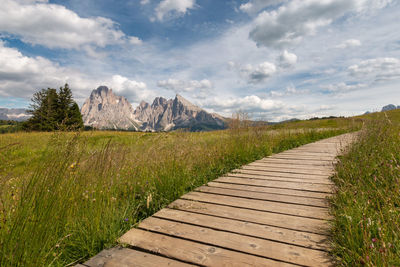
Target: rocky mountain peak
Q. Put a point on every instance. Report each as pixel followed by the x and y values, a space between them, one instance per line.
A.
pixel 104 110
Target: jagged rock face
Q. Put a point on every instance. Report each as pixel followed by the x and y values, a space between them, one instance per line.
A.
pixel 104 110
pixel 165 115
pixel 15 114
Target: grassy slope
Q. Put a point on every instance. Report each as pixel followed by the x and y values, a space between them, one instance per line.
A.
pixel 367 206
pixel 64 197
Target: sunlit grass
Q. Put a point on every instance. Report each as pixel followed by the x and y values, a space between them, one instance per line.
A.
pixel 367 204
pixel 66 196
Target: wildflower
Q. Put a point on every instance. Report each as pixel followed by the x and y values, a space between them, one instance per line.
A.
pixel 126 219
pixel 374 239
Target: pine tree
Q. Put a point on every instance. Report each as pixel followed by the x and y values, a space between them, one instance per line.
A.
pixel 75 117
pixel 54 111
pixel 65 103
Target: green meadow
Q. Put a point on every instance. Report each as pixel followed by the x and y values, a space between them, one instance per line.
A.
pixel 66 196
pixel 366 208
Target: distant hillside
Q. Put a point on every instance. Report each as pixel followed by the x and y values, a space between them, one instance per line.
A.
pixel 16 114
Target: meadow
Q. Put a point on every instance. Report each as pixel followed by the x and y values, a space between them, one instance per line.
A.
pixel 66 196
pixel 366 208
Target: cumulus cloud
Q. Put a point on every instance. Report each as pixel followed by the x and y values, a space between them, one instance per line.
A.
pixel 21 76
pixel 250 103
pixel 255 73
pixel 185 86
pixel 343 87
pixel 254 6
pixel 54 26
pixel 173 8
pixel 287 25
pixel 377 69
pixel 133 90
pixel 349 43
pixel 135 40
pixel 290 90
pixel 287 60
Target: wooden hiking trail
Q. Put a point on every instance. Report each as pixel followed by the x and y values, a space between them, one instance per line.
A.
pixel 272 212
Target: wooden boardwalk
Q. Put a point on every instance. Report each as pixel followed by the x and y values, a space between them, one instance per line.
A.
pixel 272 212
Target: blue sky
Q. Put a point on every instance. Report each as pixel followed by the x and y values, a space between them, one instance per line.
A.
pixel 274 59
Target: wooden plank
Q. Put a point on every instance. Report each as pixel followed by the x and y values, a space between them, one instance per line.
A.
pixel 296 223
pixel 288 191
pixel 261 205
pixel 322 203
pixel 300 158
pixel 125 257
pixel 279 191
pixel 267 177
pixel 301 176
pixel 305 153
pixel 288 166
pixel 302 162
pixel 188 251
pixel 318 188
pixel 321 172
pixel 237 242
pixel 307 240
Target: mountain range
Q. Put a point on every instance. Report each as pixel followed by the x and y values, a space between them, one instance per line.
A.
pixel 105 110
pixel 15 114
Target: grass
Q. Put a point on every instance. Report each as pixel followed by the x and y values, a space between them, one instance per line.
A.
pixel 366 208
pixel 66 196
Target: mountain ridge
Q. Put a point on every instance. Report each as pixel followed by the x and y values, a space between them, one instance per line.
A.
pixel 105 110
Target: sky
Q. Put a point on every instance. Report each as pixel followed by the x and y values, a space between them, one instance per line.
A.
pixel 273 59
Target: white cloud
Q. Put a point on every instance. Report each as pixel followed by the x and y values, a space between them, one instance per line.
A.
pixel 21 76
pixel 135 40
pixel 349 43
pixel 287 25
pixel 287 60
pixel 55 26
pixel 343 87
pixel 133 90
pixel 290 90
pixel 254 6
pixel 257 73
pixel 173 8
pixel 144 2
pixel 250 103
pixel 377 69
pixel 198 89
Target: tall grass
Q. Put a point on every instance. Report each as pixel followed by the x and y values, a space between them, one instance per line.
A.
pixel 366 208
pixel 64 197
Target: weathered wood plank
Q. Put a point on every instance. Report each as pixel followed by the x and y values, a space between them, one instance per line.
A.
pixel 319 188
pixel 189 251
pixel 261 205
pixel 237 242
pixel 303 162
pixel 289 175
pixel 279 191
pixel 322 203
pixel 289 166
pixel 283 235
pixel 269 177
pixel 125 257
pixel 273 219
pixel 322 172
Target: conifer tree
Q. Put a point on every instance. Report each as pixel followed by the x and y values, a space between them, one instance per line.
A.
pixel 52 110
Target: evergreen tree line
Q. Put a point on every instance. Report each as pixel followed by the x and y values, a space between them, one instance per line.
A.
pixel 52 110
